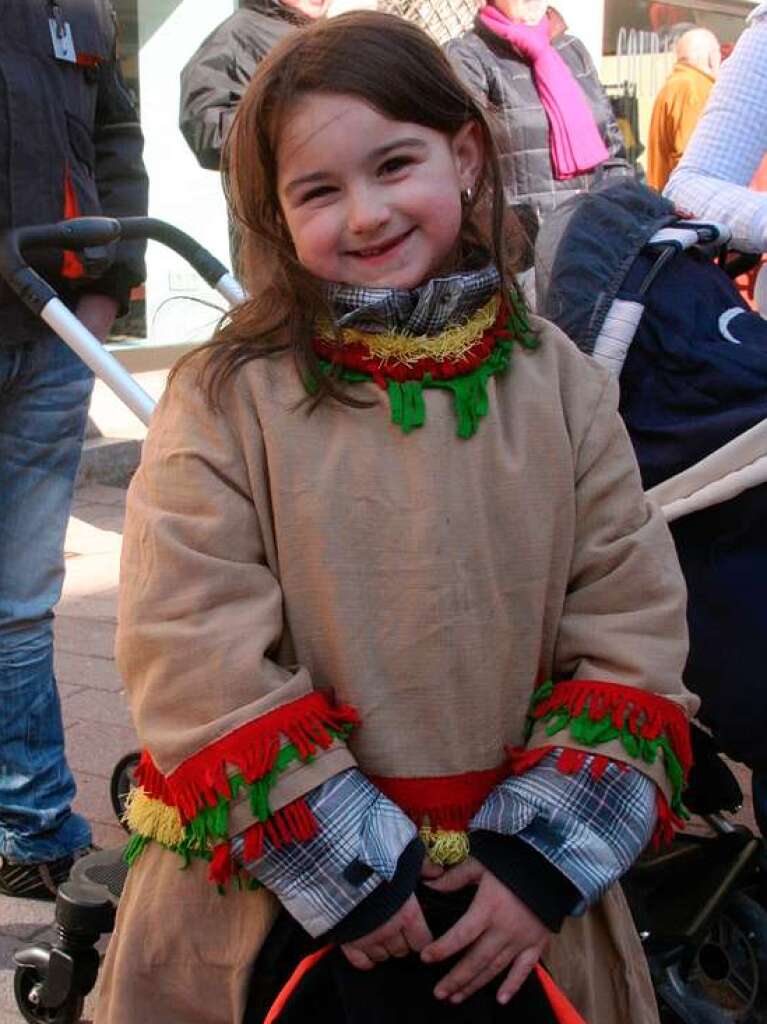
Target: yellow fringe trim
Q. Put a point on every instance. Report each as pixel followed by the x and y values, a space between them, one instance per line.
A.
pixel 444 848
pixel 406 349
pixel 152 818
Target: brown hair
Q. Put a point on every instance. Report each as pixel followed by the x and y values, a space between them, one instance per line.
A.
pixel 395 68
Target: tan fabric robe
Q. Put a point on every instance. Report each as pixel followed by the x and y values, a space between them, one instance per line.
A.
pixel 430 581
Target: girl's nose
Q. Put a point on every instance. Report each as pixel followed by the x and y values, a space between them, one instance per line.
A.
pixel 367 212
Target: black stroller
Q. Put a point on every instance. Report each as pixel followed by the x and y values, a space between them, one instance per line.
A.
pixel 708 950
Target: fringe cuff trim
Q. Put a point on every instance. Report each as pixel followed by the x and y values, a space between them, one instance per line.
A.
pixel 252 750
pixel 647 726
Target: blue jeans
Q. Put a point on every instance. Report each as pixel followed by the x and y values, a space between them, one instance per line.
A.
pixel 44 395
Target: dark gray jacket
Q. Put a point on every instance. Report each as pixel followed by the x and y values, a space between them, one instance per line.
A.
pixel 70 142
pixel 216 76
pixel 503 80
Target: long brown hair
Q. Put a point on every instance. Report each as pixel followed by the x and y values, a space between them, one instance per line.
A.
pixel 395 68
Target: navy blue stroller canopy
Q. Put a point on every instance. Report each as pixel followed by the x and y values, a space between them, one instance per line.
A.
pixel 638 289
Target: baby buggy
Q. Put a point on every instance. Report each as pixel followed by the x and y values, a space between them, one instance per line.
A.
pixel 51 981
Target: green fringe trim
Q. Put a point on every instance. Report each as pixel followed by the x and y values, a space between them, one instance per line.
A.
pixel 470 398
pixel 590 733
pixel 211 824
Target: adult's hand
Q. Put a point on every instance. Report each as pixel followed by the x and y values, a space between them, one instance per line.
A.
pixel 97 312
pixel 498 931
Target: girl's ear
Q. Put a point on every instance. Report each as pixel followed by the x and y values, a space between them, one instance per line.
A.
pixel 469 153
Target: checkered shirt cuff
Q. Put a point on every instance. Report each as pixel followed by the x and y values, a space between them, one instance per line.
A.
pixel 361 835
pixel 591 830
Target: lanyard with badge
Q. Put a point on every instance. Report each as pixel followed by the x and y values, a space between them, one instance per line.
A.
pixel 61 35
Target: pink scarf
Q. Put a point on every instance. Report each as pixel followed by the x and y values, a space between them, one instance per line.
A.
pixel 576 145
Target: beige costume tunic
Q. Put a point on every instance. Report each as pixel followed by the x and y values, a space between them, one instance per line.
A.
pixel 430 581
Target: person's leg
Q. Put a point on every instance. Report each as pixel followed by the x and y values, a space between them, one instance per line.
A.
pixel 44 396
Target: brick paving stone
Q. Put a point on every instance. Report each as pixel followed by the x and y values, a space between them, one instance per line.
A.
pixel 79 669
pixel 90 705
pixel 80 636
pixel 96 748
pixel 92 575
pixel 98 494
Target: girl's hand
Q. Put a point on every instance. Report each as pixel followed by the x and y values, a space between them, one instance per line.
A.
pixel 404 933
pixel 499 929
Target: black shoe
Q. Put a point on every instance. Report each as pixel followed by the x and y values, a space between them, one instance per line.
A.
pixel 37 881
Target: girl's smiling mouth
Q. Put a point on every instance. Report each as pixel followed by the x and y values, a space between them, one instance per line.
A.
pixel 374 251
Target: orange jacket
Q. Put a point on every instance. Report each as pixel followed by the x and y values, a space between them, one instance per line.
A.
pixel 677 108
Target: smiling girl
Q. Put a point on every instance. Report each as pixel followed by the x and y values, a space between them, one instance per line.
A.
pixel 402 637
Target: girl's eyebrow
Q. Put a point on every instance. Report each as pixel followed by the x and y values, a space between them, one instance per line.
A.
pixel 375 154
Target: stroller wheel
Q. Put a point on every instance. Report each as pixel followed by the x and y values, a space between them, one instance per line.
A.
pixel 26 988
pixel 122 781
pixel 730 970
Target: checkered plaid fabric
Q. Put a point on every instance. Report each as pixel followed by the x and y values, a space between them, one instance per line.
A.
pixel 358 826
pixel 591 830
pixel 728 145
pixel 420 311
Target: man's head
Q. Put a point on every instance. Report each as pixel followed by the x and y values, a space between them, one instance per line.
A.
pixel 701 49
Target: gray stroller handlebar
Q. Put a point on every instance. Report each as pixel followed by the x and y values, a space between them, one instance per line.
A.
pixel 84 233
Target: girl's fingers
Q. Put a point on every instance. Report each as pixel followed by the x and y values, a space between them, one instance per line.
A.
pixel 397 945
pixel 520 969
pixel 376 951
pixel 490 955
pixel 431 870
pixel 415 929
pixel 467 873
pixel 357 958
pixel 466 929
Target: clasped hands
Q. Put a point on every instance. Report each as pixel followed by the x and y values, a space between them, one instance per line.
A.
pixel 498 931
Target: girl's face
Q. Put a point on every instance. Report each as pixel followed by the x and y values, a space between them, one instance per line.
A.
pixel 369 201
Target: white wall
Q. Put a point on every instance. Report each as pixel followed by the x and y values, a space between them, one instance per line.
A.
pixel 585 19
pixel 180 191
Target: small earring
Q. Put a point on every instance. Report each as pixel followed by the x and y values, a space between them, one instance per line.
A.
pixel 467 195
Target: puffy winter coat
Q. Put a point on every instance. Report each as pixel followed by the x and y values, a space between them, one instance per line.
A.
pixel 495 71
pixel 71 144
pixel 216 76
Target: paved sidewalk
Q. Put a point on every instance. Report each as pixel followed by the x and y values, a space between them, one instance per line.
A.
pixel 96 717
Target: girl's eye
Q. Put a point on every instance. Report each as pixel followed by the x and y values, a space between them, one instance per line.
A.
pixel 395 164
pixel 317 193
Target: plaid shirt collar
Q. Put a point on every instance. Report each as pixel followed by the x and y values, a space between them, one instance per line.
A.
pixel 419 311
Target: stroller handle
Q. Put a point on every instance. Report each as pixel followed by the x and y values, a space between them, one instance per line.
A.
pixel 91 232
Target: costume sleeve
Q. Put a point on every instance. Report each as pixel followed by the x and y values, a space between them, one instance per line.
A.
pixel 607 745
pixel 233 739
pixel 212 85
pixel 727 147
pixel 121 178
pixel 360 868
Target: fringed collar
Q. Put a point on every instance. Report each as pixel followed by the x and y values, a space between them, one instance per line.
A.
pixel 461 359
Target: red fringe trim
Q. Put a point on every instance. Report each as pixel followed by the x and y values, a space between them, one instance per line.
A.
pixel 666 824
pixel 447 801
pixel 252 750
pixel 294 823
pixel 646 714
pixel 357 357
pixel 571 761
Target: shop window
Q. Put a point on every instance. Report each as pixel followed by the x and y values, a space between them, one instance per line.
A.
pixel 665 22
